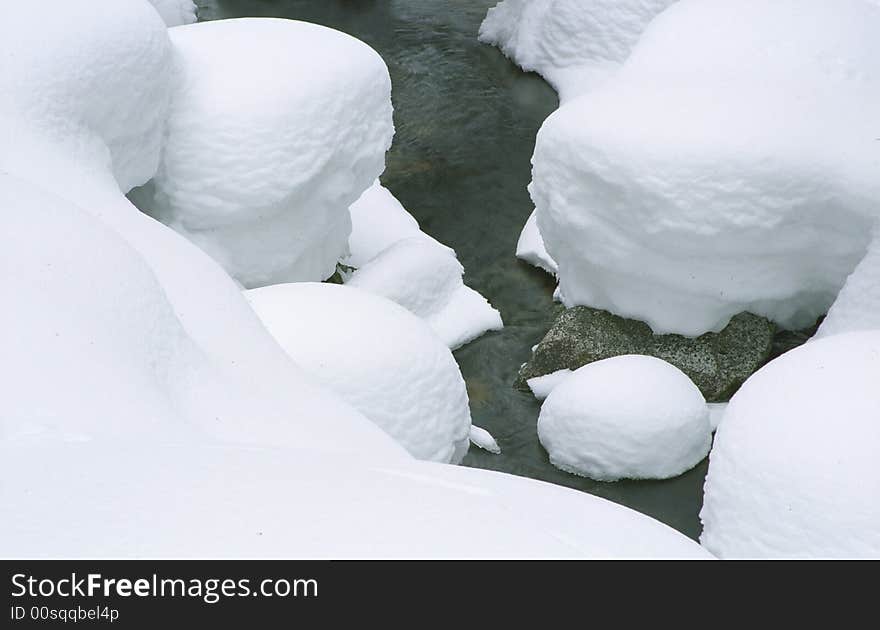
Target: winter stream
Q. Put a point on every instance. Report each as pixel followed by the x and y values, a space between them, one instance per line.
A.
pixel 466 120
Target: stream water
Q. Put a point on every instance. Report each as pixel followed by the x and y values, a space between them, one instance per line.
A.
pixel 466 121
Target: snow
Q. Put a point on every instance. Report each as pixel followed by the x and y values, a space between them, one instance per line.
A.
pixel 276 127
pixel 83 116
pixel 130 350
pixel 378 221
pixel 531 249
pixel 575 45
pixel 857 306
pixel 541 386
pixel 629 417
pixel 377 356
pixel 175 12
pixel 794 469
pixel 219 501
pixel 730 165
pixel 716 414
pixel 425 277
pixel 483 439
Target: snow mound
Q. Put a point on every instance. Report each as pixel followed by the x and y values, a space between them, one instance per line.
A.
pixel 794 469
pixel 276 128
pixel 483 439
pixel 531 249
pixel 857 306
pixel 573 44
pixel 425 277
pixel 378 357
pixel 226 502
pixel 98 85
pixel 175 12
pixel 541 386
pixel 629 417
pixel 86 110
pixel 729 166
pixel 378 221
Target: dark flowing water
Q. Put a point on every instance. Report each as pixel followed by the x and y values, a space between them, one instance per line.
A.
pixel 466 121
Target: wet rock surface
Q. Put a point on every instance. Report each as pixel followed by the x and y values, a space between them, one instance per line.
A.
pixel 718 363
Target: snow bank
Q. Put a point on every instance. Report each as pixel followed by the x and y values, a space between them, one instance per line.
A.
pixel 630 417
pixel 276 128
pixel 130 350
pixel 83 120
pixel 378 357
pixel 175 12
pixel 378 221
pixel 224 502
pixel 857 306
pixel 794 470
pixel 575 45
pixel 729 166
pixel 425 277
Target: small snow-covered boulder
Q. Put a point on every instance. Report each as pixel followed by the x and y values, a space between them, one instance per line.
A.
pixel 377 356
pixel 717 362
pixel 378 221
pixel 425 277
pixel 276 128
pixel 794 472
pixel 630 417
pixel 730 165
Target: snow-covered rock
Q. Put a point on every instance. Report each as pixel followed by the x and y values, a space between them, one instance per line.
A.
pixel 730 165
pixel 857 306
pixel 276 128
pixel 794 471
pixel 483 439
pixel 425 277
pixel 575 45
pixel 377 356
pixel 541 386
pixel 630 417
pixel 83 115
pixel 176 12
pixel 128 349
pixel 378 221
pixel 225 502
pixel 530 247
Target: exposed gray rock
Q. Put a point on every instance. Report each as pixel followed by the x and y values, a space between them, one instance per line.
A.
pixel 717 362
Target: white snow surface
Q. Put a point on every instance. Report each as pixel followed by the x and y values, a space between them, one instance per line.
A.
pixel 483 439
pixel 541 386
pixel 122 327
pixel 378 221
pixel 175 12
pixel 377 356
pixel 531 249
pixel 224 502
pixel 130 350
pixel 730 165
pixel 425 277
pixel 276 127
pixel 794 471
pixel 575 45
pixel 857 306
pixel 628 417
